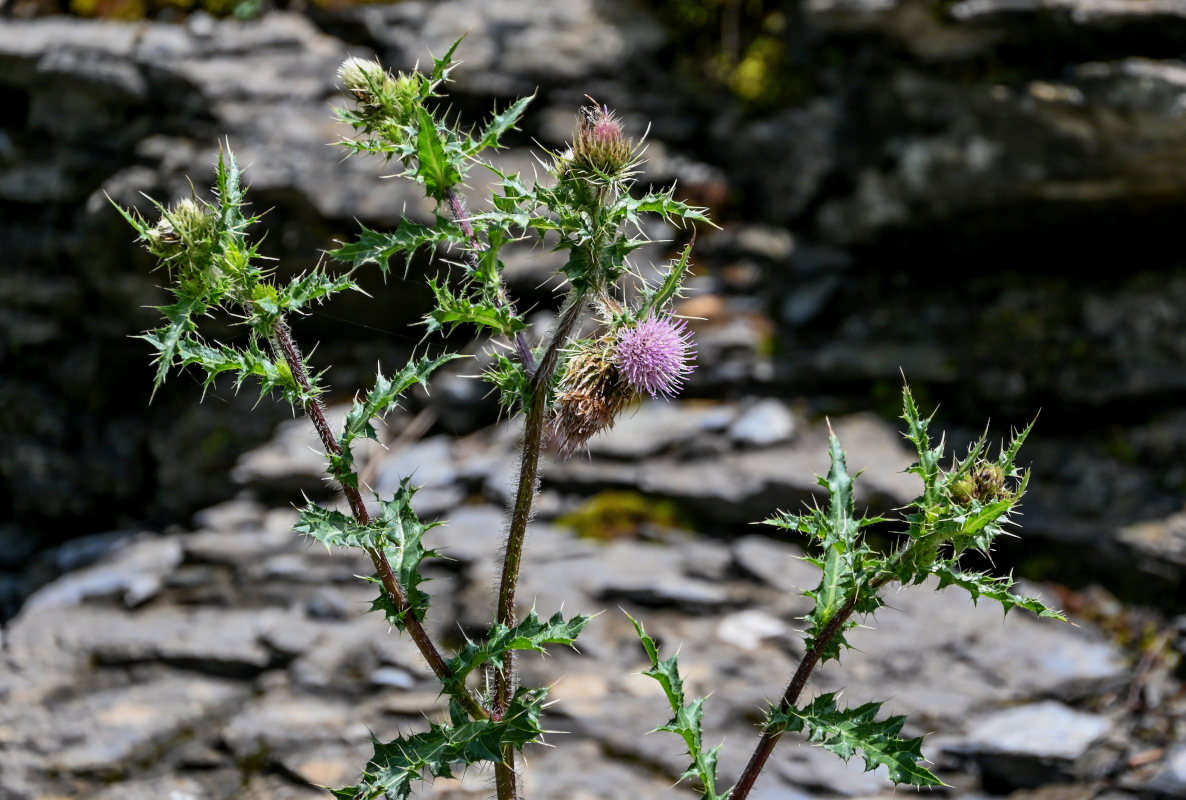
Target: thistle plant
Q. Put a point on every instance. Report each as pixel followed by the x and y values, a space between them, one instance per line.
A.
pixel 615 339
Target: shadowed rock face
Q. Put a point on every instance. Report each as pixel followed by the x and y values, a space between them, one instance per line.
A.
pixel 984 194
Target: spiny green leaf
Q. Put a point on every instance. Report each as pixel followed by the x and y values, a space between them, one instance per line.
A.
pixel 335 528
pixel 188 350
pixel 663 203
pixel 384 397
pixel 498 126
pixel 452 310
pixel 688 718
pixel 396 765
pixel 981 584
pixel 396 531
pixel 530 634
pixel 1009 456
pixel 511 380
pixel 848 731
pixel 374 247
pixel 168 340
pixel 312 287
pixel 438 171
pixel 670 288
pixel 441 66
pixel 928 457
pixel 404 533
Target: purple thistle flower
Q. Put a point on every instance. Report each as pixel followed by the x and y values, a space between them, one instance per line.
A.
pixel 656 356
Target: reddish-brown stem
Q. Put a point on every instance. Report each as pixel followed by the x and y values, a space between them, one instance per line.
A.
pixel 810 660
pixel 770 738
pixel 316 411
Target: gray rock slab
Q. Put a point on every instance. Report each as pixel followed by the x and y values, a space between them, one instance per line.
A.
pixel 239 548
pixel 1046 730
pixel 1032 745
pixel 657 426
pixel 429 463
pixel 1171 777
pixel 101 732
pixel 283 719
pixel 765 423
pixel 170 787
pixel 745 486
pixel 777 564
pixel 217 641
pixel 135 572
pixel 939 657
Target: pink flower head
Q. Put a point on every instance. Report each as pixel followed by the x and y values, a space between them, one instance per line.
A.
pixel 656 355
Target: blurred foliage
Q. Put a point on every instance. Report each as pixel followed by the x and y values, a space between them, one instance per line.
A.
pixel 620 514
pixel 739 44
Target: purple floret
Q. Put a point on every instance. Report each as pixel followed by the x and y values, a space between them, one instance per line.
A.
pixel 656 356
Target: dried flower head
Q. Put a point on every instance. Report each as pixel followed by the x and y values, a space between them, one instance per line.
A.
pixel 591 395
pixel 600 144
pixel 656 355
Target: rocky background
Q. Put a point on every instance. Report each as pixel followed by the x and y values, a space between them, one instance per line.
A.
pixel 980 194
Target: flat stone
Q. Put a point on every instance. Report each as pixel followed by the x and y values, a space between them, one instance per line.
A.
pixel 940 658
pixel 134 571
pixel 238 547
pixel 657 426
pixel 1171 777
pixel 1156 541
pixel 99 733
pixel 657 591
pixel 162 788
pixel 1032 745
pixel 776 564
pixel 748 629
pixel 282 719
pixel 1046 730
pixel 326 764
pixel 429 463
pixel 215 641
pixel 765 423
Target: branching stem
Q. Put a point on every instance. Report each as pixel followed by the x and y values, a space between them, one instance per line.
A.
pixel 315 409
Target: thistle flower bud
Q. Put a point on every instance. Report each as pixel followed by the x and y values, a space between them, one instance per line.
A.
pixel 361 76
pixel 655 356
pixel 600 144
pixel 592 393
pixel 186 223
pixel 985 483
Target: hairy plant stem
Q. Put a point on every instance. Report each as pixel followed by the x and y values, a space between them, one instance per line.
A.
pixel 769 739
pixel 505 776
pixel 284 343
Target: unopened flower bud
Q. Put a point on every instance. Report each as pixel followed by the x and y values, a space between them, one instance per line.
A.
pixel 591 395
pixel 361 77
pixel 600 144
pixel 655 356
pixel 186 223
pixel 985 483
